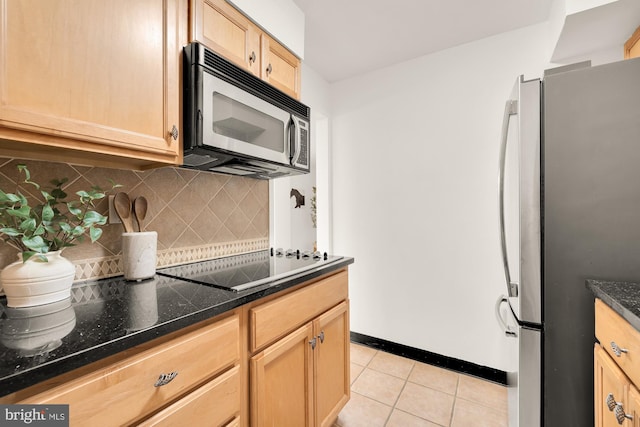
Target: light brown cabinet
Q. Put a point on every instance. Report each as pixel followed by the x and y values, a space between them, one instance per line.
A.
pixel 611 389
pixel 143 383
pixel 303 378
pixel 219 26
pixel 632 46
pixel 634 407
pixel 91 82
pixel 616 373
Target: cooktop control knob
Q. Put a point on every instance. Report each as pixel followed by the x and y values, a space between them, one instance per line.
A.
pixel 326 256
pixel 306 254
pixel 279 252
pixel 290 253
pixel 317 255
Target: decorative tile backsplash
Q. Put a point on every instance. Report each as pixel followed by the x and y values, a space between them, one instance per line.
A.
pixel 198 215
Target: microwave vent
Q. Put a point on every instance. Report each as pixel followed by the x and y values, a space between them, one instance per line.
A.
pixel 258 87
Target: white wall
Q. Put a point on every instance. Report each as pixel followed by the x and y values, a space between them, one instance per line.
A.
pixel 290 226
pixel 406 164
pixel 415 171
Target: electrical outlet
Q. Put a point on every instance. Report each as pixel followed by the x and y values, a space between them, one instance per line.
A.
pixel 113 216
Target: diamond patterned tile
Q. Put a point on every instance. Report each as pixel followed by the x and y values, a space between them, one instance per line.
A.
pixel 229 215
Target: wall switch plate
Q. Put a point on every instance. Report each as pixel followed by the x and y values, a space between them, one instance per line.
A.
pixel 113 216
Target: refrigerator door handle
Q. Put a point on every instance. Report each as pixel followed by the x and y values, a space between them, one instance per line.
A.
pixel 508 330
pixel 510 109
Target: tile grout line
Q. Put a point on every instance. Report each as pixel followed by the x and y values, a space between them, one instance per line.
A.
pixel 455 400
pixel 393 407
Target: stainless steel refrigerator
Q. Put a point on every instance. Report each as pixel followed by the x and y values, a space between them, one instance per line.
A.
pixel 569 210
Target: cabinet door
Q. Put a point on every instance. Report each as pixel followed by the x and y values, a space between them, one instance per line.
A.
pixel 91 76
pixel 280 67
pixel 634 406
pixel 222 28
pixel 282 382
pixel 610 384
pixel 332 364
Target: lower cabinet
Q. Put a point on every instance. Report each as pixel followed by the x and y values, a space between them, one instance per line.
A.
pixel 616 371
pixel 611 390
pixel 282 382
pixel 634 406
pixel 282 360
pixel 128 391
pixel 299 371
pixel 303 379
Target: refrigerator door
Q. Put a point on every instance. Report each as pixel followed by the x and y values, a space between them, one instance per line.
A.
pixel 524 368
pixel 520 201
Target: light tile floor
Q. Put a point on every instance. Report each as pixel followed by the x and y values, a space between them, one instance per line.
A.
pixel 391 391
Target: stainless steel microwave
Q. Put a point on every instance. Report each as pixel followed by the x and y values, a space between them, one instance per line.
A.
pixel 238 124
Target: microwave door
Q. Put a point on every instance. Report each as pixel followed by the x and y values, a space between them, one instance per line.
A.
pixel 299 143
pixel 239 122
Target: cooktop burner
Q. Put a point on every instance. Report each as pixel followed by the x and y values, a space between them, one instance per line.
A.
pixel 246 271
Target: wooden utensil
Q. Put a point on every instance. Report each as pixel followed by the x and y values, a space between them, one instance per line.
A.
pixel 140 210
pixel 122 205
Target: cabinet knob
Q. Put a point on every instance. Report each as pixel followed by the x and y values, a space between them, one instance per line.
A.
pixel 620 415
pixel 611 401
pixel 252 58
pixel 269 69
pixel 313 343
pixel 617 350
pixel 321 336
pixel 174 132
pixel 164 379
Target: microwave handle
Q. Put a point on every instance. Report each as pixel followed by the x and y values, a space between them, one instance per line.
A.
pixel 294 152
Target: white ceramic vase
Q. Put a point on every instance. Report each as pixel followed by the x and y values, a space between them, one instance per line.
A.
pixel 37 282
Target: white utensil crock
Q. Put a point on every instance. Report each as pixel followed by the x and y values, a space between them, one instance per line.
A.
pixel 139 255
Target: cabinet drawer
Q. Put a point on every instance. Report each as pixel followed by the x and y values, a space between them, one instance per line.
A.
pixel 127 387
pixel 612 328
pixel 213 404
pixel 274 319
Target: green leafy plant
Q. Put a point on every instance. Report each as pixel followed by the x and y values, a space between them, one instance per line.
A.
pixel 52 223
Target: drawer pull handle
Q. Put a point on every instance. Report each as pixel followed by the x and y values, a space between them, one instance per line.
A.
pixel 611 402
pixel 164 379
pixel 617 350
pixel 321 336
pixel 620 415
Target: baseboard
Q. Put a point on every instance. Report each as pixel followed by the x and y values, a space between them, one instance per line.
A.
pixel 461 366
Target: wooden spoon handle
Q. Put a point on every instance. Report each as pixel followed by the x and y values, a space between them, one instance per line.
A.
pixel 127 223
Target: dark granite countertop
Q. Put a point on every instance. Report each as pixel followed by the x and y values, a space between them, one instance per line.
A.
pixel 622 297
pixel 105 317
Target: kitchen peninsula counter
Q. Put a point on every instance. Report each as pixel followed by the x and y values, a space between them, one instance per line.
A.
pixel 105 317
pixel 622 297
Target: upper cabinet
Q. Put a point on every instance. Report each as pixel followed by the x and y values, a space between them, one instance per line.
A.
pixel 91 82
pixel 221 27
pixel 632 46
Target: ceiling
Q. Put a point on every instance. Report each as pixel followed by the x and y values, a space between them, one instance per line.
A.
pixel 345 38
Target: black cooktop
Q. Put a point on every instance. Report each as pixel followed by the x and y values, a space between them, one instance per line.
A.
pixel 240 272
